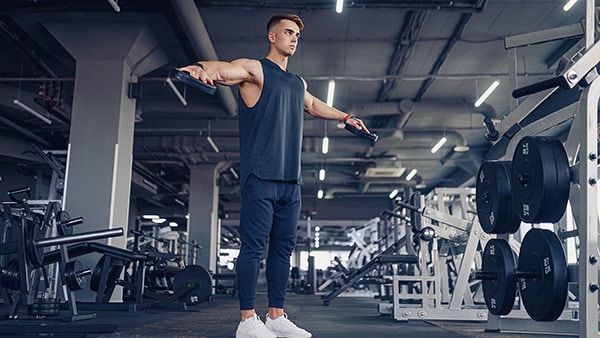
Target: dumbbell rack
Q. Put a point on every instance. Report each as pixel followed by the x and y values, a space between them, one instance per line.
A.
pixel 582 149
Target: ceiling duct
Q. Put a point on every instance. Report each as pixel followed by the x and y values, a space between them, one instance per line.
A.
pixel 194 27
pixel 406 108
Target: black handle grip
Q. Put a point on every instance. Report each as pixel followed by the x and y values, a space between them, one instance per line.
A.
pixel 492 134
pixel 408 206
pixel 537 87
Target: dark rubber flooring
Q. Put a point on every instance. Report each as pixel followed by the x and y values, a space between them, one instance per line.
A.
pixel 345 317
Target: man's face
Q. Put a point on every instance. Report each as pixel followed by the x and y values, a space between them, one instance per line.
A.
pixel 285 37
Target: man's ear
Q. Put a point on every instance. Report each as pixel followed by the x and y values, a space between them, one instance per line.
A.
pixel 271 37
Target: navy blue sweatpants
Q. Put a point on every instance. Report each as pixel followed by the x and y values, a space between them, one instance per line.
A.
pixel 269 212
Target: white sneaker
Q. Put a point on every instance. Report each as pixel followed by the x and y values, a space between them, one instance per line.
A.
pixel 253 327
pixel 283 327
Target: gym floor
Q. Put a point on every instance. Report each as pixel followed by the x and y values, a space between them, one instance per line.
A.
pixel 345 317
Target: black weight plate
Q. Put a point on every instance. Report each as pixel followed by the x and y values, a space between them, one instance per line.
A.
pixel 62 218
pixel 9 276
pixel 499 292
pixel 114 272
pixel 545 295
pixel 492 196
pixel 44 307
pixel 202 280
pixel 540 173
pixel 563 180
pixel 34 231
pixel 73 279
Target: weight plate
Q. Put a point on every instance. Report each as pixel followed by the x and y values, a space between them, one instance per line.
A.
pixel 563 180
pixel 44 307
pixel 74 280
pixel 34 231
pixel 545 295
pixel 9 276
pixel 493 198
pixel 201 279
pixel 114 272
pixel 499 291
pixel 540 179
pixel 62 219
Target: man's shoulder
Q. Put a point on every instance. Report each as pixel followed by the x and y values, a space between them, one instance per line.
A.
pixel 247 62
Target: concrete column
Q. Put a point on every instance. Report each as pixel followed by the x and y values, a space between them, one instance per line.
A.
pixel 98 179
pixel 204 226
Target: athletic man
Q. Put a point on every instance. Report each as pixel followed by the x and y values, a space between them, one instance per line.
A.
pixel 271 106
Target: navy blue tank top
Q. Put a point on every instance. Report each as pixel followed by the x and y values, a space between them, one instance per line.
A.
pixel 271 130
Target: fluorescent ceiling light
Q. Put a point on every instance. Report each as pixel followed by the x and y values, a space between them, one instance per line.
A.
pixel 150 184
pixel 159 220
pixel 31 111
pixel 320 194
pixel 339 6
pixel 411 174
pixel 114 5
pixel 212 144
pixel 438 145
pixel 150 216
pixel 232 171
pixel 569 5
pixel 176 91
pixel 322 174
pixel 393 194
pixel 173 224
pixel 325 145
pixel 487 93
pixel 330 92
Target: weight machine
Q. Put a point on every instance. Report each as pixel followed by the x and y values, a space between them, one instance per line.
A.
pixel 26 226
pixel 448 239
pixel 575 84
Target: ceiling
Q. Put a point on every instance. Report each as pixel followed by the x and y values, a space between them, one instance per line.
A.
pixel 410 69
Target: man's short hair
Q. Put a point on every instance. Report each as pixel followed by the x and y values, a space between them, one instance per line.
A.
pixel 275 19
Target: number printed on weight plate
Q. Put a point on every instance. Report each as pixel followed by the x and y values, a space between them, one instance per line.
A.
pixel 525 209
pixel 547 268
pixel 525 148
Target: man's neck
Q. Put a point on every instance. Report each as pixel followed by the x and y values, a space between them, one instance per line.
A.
pixel 279 60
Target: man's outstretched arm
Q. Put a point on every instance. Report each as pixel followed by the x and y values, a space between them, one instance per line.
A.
pixel 320 109
pixel 223 73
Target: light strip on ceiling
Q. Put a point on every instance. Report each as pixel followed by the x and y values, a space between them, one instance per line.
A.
pixel 411 174
pixel 31 111
pixel 114 5
pixel 339 6
pixel 232 171
pixel 330 92
pixel 438 145
pixel 569 5
pixel 176 91
pixel 212 144
pixel 487 93
pixel 325 145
